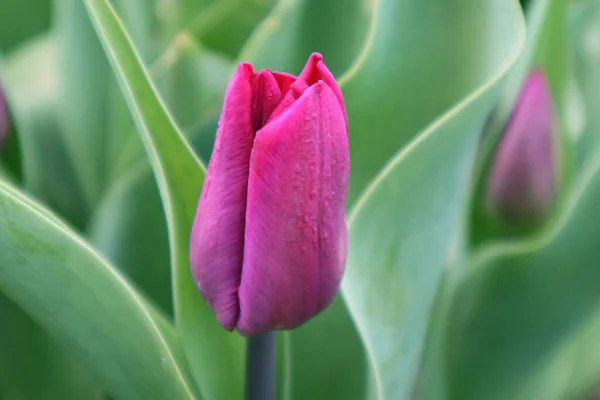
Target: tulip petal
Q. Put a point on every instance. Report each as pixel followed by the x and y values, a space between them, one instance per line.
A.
pixel 217 239
pixel 284 80
pixel 265 97
pixel 293 93
pixel 315 70
pixel 295 239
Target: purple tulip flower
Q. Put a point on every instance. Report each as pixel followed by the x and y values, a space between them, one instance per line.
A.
pixel 269 242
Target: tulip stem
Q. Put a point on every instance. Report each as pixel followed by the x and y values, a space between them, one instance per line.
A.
pixel 260 367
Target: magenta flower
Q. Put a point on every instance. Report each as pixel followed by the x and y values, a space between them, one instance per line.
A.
pixel 524 170
pixel 269 241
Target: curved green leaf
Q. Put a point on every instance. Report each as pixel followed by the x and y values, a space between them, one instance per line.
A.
pixel 401 81
pixel 28 354
pixel 34 19
pixel 192 81
pixel 57 279
pixel 83 96
pixel 525 315
pixel 585 28
pixel 410 222
pixel 129 228
pixel 326 359
pixel 226 24
pixel 215 356
pixel 176 16
pixel 30 80
pixel 296 28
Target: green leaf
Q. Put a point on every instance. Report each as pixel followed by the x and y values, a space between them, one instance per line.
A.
pixel 33 18
pixel 29 355
pixel 215 356
pixel 296 28
pixel 409 224
pixel 326 358
pixel 192 81
pixel 401 81
pixel 226 24
pixel 525 314
pixel 10 147
pixel 58 280
pixel 129 228
pixel 176 16
pixel 30 80
pixel 140 19
pixel 83 97
pixel 585 28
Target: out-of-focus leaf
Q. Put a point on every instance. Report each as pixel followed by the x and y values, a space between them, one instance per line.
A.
pixel 215 356
pixel 296 28
pixel 191 79
pixel 585 28
pixel 176 16
pixel 33 18
pixel 76 296
pixel 28 354
pixel 409 225
pixel 10 148
pixel 30 81
pixel 327 360
pixel 192 82
pixel 551 48
pixel 525 316
pixel 400 84
pixel 226 24
pixel 83 96
pixel 129 228
pixel 139 17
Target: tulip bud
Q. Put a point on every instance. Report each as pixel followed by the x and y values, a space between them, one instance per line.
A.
pixel 269 241
pixel 524 171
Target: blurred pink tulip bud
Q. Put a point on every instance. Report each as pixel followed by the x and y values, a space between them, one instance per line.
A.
pixel 523 177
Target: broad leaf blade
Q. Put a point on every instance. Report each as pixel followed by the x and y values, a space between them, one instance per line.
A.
pixel 129 229
pixel 83 97
pixel 30 79
pixel 533 308
pixel 83 302
pixel 30 355
pixel 129 226
pixel 409 224
pixel 226 24
pixel 296 28
pixel 215 356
